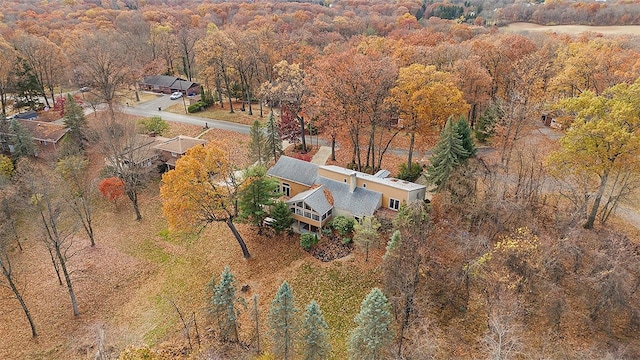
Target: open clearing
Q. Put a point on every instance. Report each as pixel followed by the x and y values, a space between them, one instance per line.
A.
pixel 573 29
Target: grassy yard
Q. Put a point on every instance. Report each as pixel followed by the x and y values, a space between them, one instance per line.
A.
pixel 130 283
pixel 216 113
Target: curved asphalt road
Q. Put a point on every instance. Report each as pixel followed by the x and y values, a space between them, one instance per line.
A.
pixel 150 108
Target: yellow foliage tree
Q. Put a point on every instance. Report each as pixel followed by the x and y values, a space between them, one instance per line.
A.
pixel 598 158
pixel 200 190
pixel 425 98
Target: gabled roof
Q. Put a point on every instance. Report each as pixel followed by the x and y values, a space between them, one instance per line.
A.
pixel 44 131
pixel 360 202
pixel 179 144
pixel 171 82
pixel 183 85
pixel 138 150
pixel 298 171
pixel 315 198
pixel 160 80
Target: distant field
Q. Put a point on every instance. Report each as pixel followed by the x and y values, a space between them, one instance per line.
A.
pixel 573 29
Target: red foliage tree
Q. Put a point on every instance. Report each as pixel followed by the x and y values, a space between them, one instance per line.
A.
pixel 111 188
pixel 289 126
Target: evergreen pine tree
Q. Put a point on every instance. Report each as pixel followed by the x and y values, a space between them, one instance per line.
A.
pixel 464 132
pixel 258 143
pixel 22 140
pixel 223 305
pixel 282 322
pixel 257 192
pixel 393 243
pixel 484 128
pixel 282 217
pixel 447 154
pixel 273 145
pixel 372 337
pixel 76 122
pixel 315 334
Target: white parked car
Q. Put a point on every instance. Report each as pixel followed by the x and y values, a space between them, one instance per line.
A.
pixel 176 95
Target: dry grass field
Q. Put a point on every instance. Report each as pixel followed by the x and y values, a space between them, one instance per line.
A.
pixel 573 29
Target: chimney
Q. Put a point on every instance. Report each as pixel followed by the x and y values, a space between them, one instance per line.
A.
pixel 352 182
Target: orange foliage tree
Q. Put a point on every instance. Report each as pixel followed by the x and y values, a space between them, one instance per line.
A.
pixel 111 188
pixel 201 189
pixel 349 90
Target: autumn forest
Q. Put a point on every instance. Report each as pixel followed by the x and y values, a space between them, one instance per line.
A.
pixel 528 143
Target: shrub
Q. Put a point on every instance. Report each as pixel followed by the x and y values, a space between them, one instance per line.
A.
pixel 308 240
pixel 154 124
pixel 304 157
pixel 410 175
pixel 199 106
pixel 326 231
pixel 343 225
pixel 346 240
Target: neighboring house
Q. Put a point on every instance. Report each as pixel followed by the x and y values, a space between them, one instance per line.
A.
pixel 139 151
pixel 45 135
pixel 174 148
pixel 146 151
pixel 316 193
pixel 169 84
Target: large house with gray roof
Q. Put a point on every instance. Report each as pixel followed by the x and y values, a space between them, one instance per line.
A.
pixel 316 193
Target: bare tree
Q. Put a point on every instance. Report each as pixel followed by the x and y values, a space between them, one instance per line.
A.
pixel 40 187
pixel 8 62
pixel 101 61
pixel 186 40
pixel 130 157
pixel 503 340
pixel 9 275
pixel 78 190
pixel 403 261
pixel 46 61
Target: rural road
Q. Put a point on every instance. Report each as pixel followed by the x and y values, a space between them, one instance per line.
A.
pixel 150 108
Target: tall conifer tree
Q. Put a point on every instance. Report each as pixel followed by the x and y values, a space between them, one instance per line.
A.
pixel 258 143
pixel 315 334
pixel 273 144
pixel 283 324
pixel 447 155
pixel 75 120
pixel 371 339
pixel 464 131
pixel 223 305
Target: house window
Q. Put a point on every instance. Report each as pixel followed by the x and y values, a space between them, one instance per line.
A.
pixel 174 154
pixel 364 185
pixel 286 189
pixel 307 214
pixel 394 204
pixel 344 180
pixel 315 217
